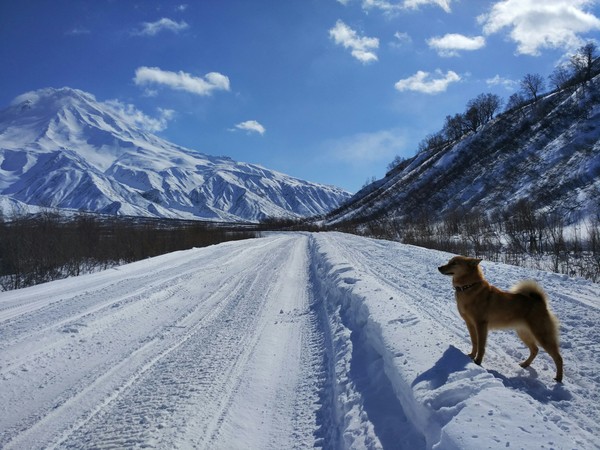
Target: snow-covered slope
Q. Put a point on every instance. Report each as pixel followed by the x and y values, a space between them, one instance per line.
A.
pixel 62 148
pixel 291 341
pixel 547 153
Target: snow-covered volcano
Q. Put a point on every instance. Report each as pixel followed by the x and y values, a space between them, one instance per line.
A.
pixel 62 148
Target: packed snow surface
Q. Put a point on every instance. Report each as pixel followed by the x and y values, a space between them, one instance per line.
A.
pixel 288 341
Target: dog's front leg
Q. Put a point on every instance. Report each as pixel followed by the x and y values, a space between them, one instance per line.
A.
pixel 473 335
pixel 482 332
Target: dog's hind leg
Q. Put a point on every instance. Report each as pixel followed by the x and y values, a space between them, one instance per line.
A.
pixel 546 334
pixel 529 341
pixel 559 364
pixel 550 344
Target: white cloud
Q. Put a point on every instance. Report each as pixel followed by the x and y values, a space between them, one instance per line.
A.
pixel 535 24
pixel 383 5
pixel 182 81
pixel 508 84
pixel 390 7
pixel 361 47
pixel 251 126
pixel 134 116
pixel 414 4
pixel 401 40
pixel 365 148
pixel 423 82
pixel 150 93
pixel 78 31
pixel 153 28
pixel 451 44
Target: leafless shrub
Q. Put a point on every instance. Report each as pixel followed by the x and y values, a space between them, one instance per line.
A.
pixel 45 247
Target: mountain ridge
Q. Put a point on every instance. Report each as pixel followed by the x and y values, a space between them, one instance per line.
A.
pixel 546 153
pixel 64 149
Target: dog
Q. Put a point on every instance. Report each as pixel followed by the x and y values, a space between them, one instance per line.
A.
pixel 484 307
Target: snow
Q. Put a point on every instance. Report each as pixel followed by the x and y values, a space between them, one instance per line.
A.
pixel 293 340
pixel 52 138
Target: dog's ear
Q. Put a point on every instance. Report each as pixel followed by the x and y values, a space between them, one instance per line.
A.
pixel 474 262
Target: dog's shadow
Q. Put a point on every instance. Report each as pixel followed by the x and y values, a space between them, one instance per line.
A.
pixel 453 360
pixel 532 386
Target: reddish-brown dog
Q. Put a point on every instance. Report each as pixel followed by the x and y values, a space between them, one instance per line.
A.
pixel 484 307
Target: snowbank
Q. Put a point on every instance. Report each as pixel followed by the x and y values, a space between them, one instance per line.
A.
pixel 406 323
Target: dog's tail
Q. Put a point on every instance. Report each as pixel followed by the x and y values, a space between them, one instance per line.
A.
pixel 535 292
pixel 530 289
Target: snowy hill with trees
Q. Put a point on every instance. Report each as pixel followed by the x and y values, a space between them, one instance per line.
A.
pixel 62 148
pixel 543 150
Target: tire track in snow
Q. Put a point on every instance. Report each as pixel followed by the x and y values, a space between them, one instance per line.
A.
pixel 238 346
pixel 186 395
pixel 112 336
pixel 280 373
pixel 105 380
pixel 27 313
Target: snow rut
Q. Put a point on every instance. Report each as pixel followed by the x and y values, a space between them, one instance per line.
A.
pixel 194 371
pixel 366 411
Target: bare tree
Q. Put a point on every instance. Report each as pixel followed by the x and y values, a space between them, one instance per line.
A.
pixel 432 141
pixel 531 85
pixel 481 110
pixel 561 77
pixel 488 105
pixel 515 101
pixel 455 127
pixel 36 249
pixel 583 62
pixel 398 160
pixel 472 118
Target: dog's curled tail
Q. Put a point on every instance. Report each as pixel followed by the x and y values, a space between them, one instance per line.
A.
pixel 531 289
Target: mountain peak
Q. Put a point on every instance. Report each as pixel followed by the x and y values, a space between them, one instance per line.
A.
pixel 51 97
pixel 63 148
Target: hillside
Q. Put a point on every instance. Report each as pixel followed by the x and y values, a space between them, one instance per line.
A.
pixel 62 148
pixel 547 153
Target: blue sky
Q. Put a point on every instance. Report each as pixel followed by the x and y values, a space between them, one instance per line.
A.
pixel 325 90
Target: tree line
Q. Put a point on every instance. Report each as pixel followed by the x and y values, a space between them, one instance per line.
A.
pixel 517 235
pixel 47 246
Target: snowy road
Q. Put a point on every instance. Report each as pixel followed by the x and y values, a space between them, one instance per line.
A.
pixel 288 341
